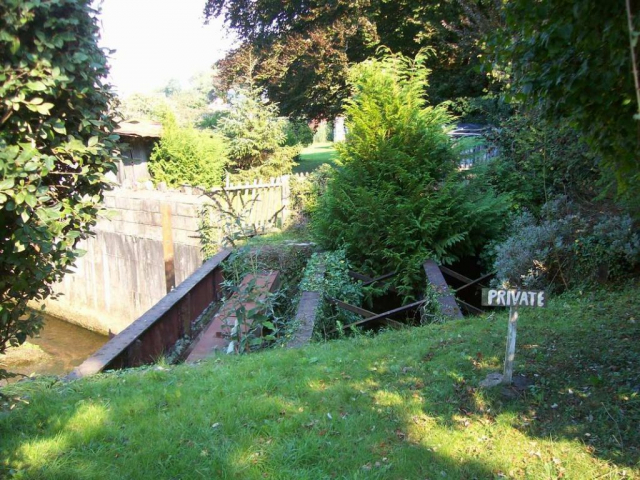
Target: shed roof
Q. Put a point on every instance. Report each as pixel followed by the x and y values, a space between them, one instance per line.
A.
pixel 139 128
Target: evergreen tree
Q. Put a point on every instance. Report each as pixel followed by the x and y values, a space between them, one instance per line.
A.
pixel 399 198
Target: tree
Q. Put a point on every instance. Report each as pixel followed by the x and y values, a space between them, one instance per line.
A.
pixel 399 198
pixel 56 145
pixel 303 49
pixel 256 137
pixel 572 57
pixel 187 105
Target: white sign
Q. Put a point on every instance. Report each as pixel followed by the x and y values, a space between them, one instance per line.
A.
pixel 514 299
pixel 493 297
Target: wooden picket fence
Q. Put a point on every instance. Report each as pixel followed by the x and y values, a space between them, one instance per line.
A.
pixel 246 209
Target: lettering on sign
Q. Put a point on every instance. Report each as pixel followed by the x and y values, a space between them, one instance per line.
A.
pixel 495 297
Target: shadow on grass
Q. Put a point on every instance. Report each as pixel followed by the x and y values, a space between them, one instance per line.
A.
pixel 404 405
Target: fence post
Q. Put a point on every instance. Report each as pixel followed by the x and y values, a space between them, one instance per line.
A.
pixel 286 193
pixel 167 247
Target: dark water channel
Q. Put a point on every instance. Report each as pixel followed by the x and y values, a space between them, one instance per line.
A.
pixel 58 349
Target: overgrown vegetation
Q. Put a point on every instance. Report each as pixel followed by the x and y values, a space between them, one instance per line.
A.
pixel 297 133
pixel 399 198
pixel 540 159
pixel 401 405
pixel 186 156
pixel 328 273
pixel 56 145
pixel 276 312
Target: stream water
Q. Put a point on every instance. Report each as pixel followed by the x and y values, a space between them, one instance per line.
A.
pixel 58 349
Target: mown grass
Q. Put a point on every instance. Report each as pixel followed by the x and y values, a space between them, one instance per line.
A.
pixel 404 404
pixel 315 155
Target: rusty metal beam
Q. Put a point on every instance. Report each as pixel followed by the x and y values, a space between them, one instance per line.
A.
pixel 380 316
pixel 363 312
pixel 477 280
pixel 159 328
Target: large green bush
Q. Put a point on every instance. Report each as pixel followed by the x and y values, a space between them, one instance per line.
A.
pixel 399 198
pixel 188 156
pixel 56 144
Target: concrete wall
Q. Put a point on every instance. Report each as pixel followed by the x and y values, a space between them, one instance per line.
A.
pixel 123 273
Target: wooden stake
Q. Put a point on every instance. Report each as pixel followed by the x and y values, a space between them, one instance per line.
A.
pixel 511 346
pixel 167 247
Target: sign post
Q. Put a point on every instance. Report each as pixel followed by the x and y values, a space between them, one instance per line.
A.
pixel 513 299
pixel 511 346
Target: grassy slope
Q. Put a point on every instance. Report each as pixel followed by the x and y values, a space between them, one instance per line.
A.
pixel 400 405
pixel 315 155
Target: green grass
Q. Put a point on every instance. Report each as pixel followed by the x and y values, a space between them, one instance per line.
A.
pixel 402 405
pixel 315 155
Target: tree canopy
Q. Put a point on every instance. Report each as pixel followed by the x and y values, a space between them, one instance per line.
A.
pixel 303 49
pixel 573 58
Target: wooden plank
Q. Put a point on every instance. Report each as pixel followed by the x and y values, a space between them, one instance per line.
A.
pixel 363 312
pixel 448 305
pixel 511 346
pixel 390 313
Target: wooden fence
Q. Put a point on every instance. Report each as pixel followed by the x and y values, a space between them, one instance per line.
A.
pixel 245 209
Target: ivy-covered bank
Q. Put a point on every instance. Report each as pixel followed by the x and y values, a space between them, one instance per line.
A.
pixel 402 404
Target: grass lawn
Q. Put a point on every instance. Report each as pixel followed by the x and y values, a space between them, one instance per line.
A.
pixel 401 405
pixel 315 155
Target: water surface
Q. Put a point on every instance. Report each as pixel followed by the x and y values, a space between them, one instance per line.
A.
pixel 56 350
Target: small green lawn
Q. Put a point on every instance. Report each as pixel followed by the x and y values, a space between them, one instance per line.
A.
pixel 401 405
pixel 315 155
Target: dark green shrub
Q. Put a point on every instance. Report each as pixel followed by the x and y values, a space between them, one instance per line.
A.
pixel 298 133
pixel 540 159
pixel 186 156
pixel 399 198
pixel 487 110
pixel 279 162
pixel 56 145
pixel 212 120
pixel 256 138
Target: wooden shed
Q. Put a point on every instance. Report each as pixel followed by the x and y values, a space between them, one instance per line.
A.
pixel 137 140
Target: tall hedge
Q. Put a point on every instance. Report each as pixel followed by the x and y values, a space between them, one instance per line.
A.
pixel 399 198
pixel 56 144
